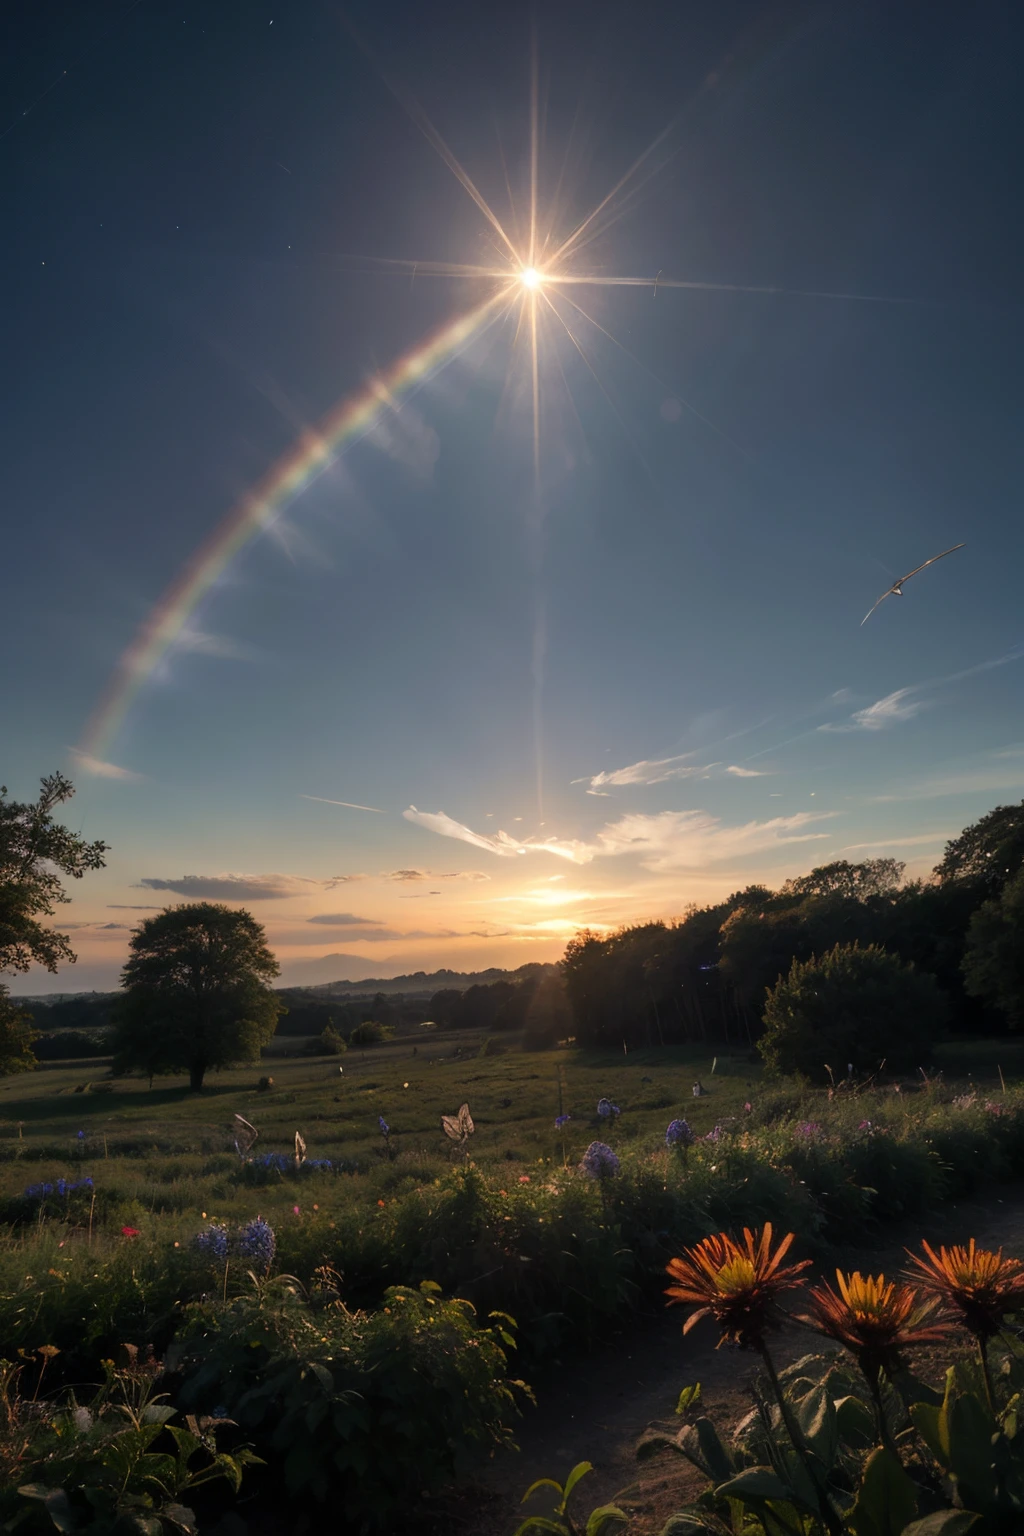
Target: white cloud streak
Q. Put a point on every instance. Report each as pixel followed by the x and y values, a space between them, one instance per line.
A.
pixel 745 773
pixel 349 805
pixel 891 710
pixel 666 841
pixel 98 769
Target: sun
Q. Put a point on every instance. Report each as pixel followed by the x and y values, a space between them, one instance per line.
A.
pixel 530 278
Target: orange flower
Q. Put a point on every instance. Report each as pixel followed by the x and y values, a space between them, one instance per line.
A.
pixel 981 1285
pixel 735 1283
pixel 875 1318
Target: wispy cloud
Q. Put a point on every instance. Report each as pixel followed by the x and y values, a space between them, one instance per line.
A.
pixel 892 710
pixel 500 843
pixel 341 920
pixel 230 887
pixel 98 769
pixel 200 643
pixel 682 840
pixel 666 841
pixel 746 773
pixel 348 804
pixel 900 842
pixel 657 770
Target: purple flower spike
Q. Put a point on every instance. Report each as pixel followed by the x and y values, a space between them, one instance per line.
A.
pixel 600 1162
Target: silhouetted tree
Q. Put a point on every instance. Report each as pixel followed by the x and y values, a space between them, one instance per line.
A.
pixel 852 1005
pixel 874 877
pixel 196 993
pixel 994 957
pixel 988 853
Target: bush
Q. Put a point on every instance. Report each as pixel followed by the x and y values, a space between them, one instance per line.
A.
pixel 370 1032
pixel 362 1409
pixel 851 1006
pixel 993 963
pixel 331 1042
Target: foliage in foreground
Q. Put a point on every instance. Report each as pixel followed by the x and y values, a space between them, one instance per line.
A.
pixel 114 1465
pixel 361 1409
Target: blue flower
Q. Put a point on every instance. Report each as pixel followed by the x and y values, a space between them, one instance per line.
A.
pixel 318 1165
pixel 81 1135
pixel 600 1162
pixel 606 1109
pixel 385 1129
pixel 256 1242
pixel 678 1134
pixel 213 1243
pixel 561 1120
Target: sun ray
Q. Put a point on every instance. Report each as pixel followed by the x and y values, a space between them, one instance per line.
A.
pixel 568 244
pixel 718 431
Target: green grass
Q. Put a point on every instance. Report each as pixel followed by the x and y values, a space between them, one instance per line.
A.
pixel 514 1226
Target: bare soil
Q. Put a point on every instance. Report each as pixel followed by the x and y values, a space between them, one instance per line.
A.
pixel 596 1407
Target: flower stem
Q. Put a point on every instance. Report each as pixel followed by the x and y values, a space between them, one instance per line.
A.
pixel 833 1524
pixel 874 1380
pixel 986 1373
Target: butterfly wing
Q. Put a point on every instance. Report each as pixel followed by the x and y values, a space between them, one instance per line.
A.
pixel 245 1136
pixel 451 1128
pixel 466 1126
pixel 300 1148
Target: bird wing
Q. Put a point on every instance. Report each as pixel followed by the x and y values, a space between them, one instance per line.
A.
pixel 880 600
pixel 932 561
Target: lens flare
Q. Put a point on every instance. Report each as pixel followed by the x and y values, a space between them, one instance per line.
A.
pixel 530 277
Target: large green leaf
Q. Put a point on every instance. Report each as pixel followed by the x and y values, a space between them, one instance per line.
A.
pixel 700 1442
pixel 945 1522
pixel 689 1397
pixel 855 1422
pixel 971 1460
pixel 605 1519
pixel 579 1470
pixel 54 1501
pixel 816 1416
pixel 932 1425
pixel 886 1499
pixel 542 1482
pixel 755 1485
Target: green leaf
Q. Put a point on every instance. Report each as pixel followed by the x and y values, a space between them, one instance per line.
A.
pixel 816 1416
pixel 945 1522
pixel 855 1422
pixel 971 1430
pixel 654 1440
pixel 542 1482
pixel 932 1424
pixel 539 1523
pixel 579 1470
pixel 181 1517
pixel 886 1499
pixel 607 1518
pixel 757 1484
pixel 700 1442
pixel 54 1500
pixel 157 1413
pixel 688 1397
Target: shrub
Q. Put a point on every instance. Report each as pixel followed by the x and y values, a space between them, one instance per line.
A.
pixel 331 1042
pixel 362 1409
pixel 852 1005
pixel 993 963
pixel 370 1032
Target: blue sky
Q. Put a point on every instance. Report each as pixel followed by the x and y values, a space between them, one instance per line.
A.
pixel 584 696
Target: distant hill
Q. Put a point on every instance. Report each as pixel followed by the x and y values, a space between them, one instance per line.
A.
pixel 422 983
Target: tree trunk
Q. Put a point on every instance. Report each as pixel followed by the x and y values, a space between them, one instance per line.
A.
pixel 196 1073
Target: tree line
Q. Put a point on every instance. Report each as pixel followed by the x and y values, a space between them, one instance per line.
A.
pixel 848 954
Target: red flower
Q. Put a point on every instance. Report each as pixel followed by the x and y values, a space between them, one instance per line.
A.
pixel 130 1232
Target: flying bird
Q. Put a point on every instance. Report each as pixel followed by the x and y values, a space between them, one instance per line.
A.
pixel 896 590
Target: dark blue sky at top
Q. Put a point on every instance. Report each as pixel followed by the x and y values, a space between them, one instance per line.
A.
pixel 188 213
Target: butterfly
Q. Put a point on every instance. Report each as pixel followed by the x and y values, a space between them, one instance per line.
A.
pixel 245 1136
pixel 458 1127
pixel 300 1150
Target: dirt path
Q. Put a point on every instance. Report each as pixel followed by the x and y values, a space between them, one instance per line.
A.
pixel 597 1408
